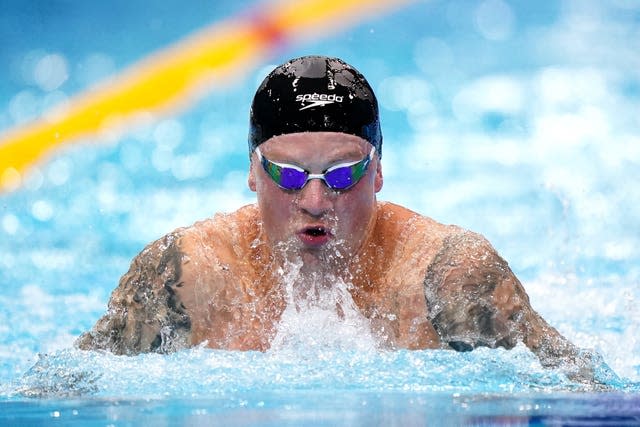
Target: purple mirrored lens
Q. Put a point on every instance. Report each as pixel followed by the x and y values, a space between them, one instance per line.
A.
pixel 339 178
pixel 292 179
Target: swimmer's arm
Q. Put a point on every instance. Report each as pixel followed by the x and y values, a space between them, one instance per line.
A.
pixel 475 300
pixel 145 314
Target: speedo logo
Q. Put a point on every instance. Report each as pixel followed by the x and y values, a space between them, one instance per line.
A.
pixel 317 99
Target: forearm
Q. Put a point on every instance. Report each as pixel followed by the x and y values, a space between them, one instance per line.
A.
pixel 556 352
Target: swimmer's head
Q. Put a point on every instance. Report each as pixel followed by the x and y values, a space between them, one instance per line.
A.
pixel 315 94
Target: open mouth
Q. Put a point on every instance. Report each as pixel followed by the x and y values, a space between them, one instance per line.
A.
pixel 315 235
pixel 315 231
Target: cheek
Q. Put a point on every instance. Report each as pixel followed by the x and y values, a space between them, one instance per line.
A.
pixel 275 206
pixel 354 210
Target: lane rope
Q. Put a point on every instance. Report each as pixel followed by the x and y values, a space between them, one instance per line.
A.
pixel 172 78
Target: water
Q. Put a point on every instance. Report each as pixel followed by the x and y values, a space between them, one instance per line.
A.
pixel 522 128
pixel 304 385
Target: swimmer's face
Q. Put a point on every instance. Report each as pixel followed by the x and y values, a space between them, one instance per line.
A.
pixel 316 219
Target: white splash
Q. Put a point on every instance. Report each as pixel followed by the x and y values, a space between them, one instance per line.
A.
pixel 320 315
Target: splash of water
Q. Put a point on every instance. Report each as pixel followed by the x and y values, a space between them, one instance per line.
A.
pixel 320 314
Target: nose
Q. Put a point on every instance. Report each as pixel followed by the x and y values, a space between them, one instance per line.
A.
pixel 315 198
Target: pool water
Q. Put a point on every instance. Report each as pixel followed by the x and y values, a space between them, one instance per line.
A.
pixel 321 408
pixel 305 386
pixel 513 119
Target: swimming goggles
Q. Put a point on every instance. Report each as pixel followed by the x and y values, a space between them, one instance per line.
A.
pixel 338 177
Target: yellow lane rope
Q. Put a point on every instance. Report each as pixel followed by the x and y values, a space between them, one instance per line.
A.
pixel 172 77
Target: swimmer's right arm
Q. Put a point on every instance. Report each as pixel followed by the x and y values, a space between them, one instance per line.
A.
pixel 145 314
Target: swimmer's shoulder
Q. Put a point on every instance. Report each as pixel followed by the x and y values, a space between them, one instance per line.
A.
pixel 221 239
pixel 411 225
pixel 152 309
pixel 433 242
pixel 225 235
pixel 221 231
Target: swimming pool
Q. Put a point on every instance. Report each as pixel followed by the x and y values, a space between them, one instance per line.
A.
pixel 522 128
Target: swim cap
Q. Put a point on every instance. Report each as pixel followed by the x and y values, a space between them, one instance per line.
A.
pixel 314 94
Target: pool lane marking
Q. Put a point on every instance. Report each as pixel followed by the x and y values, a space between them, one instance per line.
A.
pixel 172 78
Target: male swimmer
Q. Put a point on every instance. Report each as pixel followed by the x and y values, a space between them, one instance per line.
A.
pixel 316 146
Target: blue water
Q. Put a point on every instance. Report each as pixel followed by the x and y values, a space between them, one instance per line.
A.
pixel 517 120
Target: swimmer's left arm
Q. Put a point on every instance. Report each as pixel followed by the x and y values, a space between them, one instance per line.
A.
pixel 476 300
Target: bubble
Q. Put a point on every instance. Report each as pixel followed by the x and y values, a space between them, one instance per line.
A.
pixel 34 179
pixel 38 301
pixel 95 67
pixel 214 140
pixel 214 144
pixel 42 210
pixel 55 105
pixel 494 19
pixel 168 134
pixel 142 126
pixel 24 106
pixel 191 166
pixel 51 72
pixel 10 224
pixel 59 171
pixel 110 174
pixel 7 261
pixel 27 64
pixel 107 198
pixel 162 159
pixel 10 179
pixel 404 93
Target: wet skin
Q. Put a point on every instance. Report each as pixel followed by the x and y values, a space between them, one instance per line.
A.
pixel 421 284
pixel 312 218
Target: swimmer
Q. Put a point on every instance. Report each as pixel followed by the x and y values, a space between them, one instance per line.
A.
pixel 315 147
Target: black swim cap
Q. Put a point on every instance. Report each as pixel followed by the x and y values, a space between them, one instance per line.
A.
pixel 314 94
